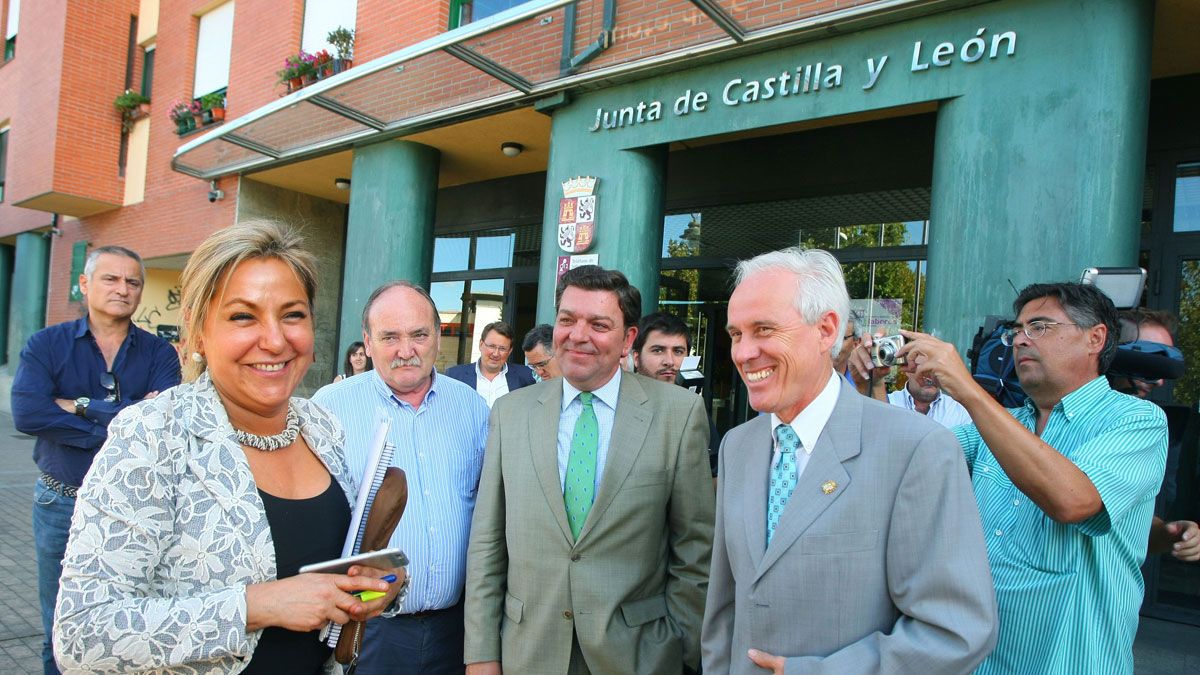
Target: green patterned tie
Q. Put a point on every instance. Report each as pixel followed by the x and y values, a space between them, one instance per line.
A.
pixel 580 486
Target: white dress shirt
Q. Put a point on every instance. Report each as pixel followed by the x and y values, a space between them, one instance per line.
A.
pixel 809 424
pixel 491 389
pixel 944 410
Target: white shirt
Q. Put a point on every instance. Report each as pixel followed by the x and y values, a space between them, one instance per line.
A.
pixel 491 389
pixel 604 404
pixel 944 410
pixel 809 424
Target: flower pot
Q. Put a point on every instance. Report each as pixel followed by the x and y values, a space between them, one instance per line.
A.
pixel 295 84
pixel 309 78
pixel 199 120
pixel 341 65
pixel 218 114
pixel 206 117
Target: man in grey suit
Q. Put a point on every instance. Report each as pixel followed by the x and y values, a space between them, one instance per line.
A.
pixel 847 538
pixel 590 549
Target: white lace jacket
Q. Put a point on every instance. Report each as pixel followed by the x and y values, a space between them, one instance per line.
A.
pixel 168 531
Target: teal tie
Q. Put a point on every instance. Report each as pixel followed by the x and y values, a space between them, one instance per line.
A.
pixel 783 476
pixel 580 486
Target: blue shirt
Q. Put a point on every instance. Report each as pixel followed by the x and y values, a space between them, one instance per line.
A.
pixel 943 410
pixel 64 361
pixel 440 447
pixel 1069 594
pixel 604 404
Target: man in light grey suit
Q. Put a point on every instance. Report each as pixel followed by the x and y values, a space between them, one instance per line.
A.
pixel 847 538
pixel 589 549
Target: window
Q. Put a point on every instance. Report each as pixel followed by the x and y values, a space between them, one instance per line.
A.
pixel 321 17
pixel 3 159
pixel 212 51
pixel 1187 198
pixel 463 12
pixel 10 34
pixel 147 70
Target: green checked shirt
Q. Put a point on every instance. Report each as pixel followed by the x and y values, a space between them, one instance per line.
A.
pixel 1069 594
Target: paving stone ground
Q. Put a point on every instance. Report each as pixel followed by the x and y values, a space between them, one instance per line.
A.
pixel 20 617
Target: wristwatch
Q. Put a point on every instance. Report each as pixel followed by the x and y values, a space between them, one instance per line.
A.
pixel 81 405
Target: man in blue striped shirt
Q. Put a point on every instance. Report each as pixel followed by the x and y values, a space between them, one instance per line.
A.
pixel 1065 484
pixel 439 427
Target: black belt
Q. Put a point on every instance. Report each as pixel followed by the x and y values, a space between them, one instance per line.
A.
pixel 58 486
pixel 430 612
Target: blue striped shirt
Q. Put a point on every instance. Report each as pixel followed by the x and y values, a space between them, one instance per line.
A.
pixel 1069 594
pixel 440 447
pixel 605 406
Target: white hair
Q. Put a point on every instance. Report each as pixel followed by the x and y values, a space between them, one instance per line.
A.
pixel 820 287
pixel 89 265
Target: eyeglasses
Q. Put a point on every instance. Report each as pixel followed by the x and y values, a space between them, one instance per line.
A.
pixel 109 382
pixel 541 364
pixel 1032 330
pixel 499 349
pixel 851 336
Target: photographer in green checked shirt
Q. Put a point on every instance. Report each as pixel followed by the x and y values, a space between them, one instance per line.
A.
pixel 1065 484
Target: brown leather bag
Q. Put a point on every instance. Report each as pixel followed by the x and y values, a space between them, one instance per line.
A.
pixel 382 519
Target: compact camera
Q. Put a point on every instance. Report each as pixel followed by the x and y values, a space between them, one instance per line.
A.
pixel 883 352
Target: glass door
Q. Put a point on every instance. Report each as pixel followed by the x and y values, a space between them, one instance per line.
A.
pixel 480 277
pixel 1172 243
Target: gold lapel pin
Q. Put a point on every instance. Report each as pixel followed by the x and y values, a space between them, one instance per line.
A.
pixel 828 486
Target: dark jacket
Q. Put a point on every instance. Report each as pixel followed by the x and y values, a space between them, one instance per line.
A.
pixel 518 375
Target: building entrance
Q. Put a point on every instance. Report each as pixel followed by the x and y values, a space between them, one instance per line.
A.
pixel 1171 251
pixel 480 277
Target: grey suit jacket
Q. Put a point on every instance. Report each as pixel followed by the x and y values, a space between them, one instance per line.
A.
pixel 877 565
pixel 632 587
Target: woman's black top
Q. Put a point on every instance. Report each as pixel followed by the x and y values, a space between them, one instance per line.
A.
pixel 305 531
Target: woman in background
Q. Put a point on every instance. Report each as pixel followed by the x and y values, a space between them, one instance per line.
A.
pixel 206 500
pixel 356 362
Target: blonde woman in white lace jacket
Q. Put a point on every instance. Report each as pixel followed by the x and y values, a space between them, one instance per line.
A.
pixel 171 563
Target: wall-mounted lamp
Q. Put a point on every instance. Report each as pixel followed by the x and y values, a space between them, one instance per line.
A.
pixel 214 192
pixel 341 183
pixel 511 149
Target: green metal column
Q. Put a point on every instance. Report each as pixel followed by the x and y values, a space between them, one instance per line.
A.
pixel 6 273
pixel 1038 176
pixel 28 304
pixel 629 212
pixel 389 236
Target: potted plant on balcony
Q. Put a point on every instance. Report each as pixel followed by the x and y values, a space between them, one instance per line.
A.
pixel 131 105
pixel 294 70
pixel 197 112
pixel 342 40
pixel 214 106
pixel 323 64
pixel 181 115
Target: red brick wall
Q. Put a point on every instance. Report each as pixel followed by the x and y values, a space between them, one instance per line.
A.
pixel 384 26
pixel 88 137
pixel 264 32
pixel 29 98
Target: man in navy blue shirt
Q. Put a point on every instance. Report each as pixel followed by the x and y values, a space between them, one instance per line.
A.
pixel 73 378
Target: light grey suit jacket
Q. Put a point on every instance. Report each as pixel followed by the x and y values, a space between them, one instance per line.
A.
pixel 632 587
pixel 877 565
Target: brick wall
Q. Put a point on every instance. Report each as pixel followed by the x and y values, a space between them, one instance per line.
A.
pixel 29 96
